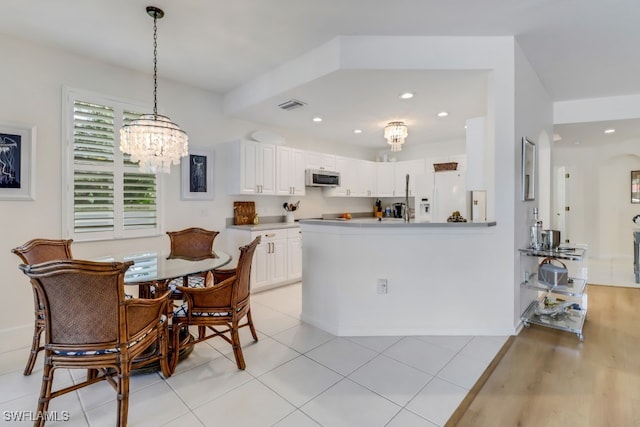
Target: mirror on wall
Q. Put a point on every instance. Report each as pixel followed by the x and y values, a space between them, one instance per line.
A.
pixel 635 186
pixel 528 169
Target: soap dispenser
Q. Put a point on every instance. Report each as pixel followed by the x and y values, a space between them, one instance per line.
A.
pixel 256 219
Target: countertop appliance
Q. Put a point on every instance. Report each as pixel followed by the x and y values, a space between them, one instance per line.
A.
pixel 321 178
pixel 398 210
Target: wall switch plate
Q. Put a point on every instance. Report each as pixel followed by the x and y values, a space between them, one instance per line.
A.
pixel 382 286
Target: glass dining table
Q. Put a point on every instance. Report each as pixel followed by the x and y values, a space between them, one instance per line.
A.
pixel 151 274
pixel 153 270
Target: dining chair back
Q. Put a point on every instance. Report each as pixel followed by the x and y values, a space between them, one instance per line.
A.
pixel 91 325
pixel 217 310
pixel 33 252
pixel 192 244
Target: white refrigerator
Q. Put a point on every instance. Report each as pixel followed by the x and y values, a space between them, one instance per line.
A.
pixel 449 195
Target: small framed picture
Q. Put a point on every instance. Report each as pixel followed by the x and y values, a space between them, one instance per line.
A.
pixel 197 175
pixel 17 162
pixel 635 186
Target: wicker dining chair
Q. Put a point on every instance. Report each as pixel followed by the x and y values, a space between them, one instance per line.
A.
pixel 218 308
pixel 192 244
pixel 33 252
pixel 91 325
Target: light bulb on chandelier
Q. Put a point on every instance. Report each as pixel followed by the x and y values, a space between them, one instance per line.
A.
pixel 154 140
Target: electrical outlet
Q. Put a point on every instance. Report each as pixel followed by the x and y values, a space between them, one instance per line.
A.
pixel 383 286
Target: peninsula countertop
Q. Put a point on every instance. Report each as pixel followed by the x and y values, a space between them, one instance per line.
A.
pixel 394 222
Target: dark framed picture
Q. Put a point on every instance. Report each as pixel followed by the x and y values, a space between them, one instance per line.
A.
pixel 635 186
pixel 17 162
pixel 197 175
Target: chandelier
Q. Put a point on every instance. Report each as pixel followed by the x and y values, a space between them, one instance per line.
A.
pixel 395 133
pixel 154 141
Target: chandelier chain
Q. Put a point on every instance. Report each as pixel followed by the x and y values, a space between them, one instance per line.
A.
pixel 155 64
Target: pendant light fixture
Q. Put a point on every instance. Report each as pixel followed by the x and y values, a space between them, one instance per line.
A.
pixel 395 133
pixel 154 140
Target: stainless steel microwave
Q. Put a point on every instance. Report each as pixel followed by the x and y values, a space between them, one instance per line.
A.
pixel 321 178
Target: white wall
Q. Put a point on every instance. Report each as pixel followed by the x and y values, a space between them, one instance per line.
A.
pixel 599 196
pixel 534 119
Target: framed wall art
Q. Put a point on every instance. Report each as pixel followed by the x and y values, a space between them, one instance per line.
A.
pixel 635 186
pixel 528 169
pixel 197 175
pixel 17 162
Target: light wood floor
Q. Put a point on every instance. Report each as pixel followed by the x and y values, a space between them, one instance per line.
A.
pixel 549 378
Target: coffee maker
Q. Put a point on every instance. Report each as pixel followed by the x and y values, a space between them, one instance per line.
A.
pixel 398 210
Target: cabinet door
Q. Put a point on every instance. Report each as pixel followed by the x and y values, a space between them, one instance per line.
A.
pixel 283 171
pixel 385 179
pixel 367 180
pixel 278 261
pixel 320 161
pixel 297 166
pixel 249 166
pixel 267 168
pixel 294 257
pixel 260 265
pixel 346 167
pixel 290 164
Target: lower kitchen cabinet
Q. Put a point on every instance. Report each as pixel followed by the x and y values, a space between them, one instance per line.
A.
pixel 277 259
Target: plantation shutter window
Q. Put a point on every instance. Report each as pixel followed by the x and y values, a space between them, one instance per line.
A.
pixel 106 197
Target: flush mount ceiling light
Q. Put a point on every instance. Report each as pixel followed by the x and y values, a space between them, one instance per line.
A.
pixel 153 140
pixel 395 133
pixel 406 95
pixel 443 114
pixel 317 119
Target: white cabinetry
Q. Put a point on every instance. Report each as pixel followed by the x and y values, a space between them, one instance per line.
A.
pixel 251 167
pixel 385 179
pixel 320 161
pixel 294 254
pixel 290 166
pixel 348 176
pixel 366 182
pixel 277 259
pixel 415 169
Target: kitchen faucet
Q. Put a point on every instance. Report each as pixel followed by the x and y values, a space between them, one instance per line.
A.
pixel 406 201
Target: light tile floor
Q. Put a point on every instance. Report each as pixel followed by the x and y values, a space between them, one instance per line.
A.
pixel 296 375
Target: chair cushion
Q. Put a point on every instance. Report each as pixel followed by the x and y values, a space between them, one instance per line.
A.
pixel 193 282
pixel 183 310
pixel 163 319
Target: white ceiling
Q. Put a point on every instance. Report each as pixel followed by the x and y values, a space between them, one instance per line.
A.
pixel 579 48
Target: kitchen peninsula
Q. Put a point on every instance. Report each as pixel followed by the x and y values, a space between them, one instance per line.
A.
pixel 367 277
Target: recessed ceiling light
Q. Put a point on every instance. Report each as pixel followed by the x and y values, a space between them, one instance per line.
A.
pixel 609 131
pixel 443 114
pixel 357 131
pixel 317 119
pixel 406 95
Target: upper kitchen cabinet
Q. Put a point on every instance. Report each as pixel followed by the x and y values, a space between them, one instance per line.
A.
pixel 415 168
pixel 385 179
pixel 290 166
pixel 320 161
pixel 252 168
pixel 348 175
pixel 366 178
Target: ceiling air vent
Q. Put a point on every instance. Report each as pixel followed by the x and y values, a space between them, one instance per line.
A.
pixel 291 104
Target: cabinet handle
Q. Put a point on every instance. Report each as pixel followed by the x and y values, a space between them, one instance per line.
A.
pixel 270 235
